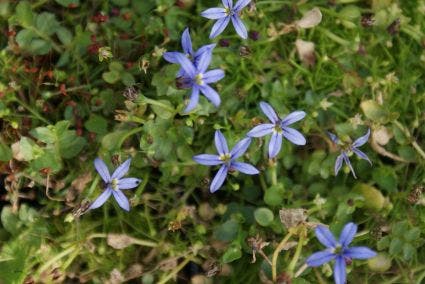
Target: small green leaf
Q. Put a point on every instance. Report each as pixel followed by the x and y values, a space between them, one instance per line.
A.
pixel 263 216
pixel 274 195
pixel 111 77
pixel 64 35
pixel 396 246
pixel 128 79
pixel 163 108
pixel 70 144
pixel 39 47
pixel 374 111
pixel 227 231
pixel 5 152
pixel 9 220
pixel 96 124
pixel 232 253
pixel 412 235
pixel 386 178
pixel 46 23
pixel 44 134
pixel 111 140
pixel 408 251
pixel 24 14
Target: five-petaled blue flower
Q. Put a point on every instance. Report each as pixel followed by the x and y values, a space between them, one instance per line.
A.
pixel 346 150
pixel 338 250
pixel 224 15
pixel 279 127
pixel 114 184
pixel 188 51
pixel 226 159
pixel 197 77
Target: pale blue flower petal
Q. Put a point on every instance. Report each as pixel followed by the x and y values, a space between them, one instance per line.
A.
pixel 347 161
pixel 340 274
pixel 172 56
pixel 359 253
pixel 269 112
pixel 227 3
pixel 275 144
pixel 239 26
pixel 194 99
pixel 214 13
pixel 361 155
pixel 293 117
pixel 220 143
pixel 219 26
pixel 207 159
pixel 338 163
pixel 102 169
pixel 319 258
pixel 347 234
pixel 203 62
pixel 219 178
pixel 325 236
pixel 213 76
pixel 245 168
pixel 121 170
pixel 101 199
pixel 294 136
pixel 186 64
pixel 261 130
pixel 240 148
pixel 205 48
pixel 210 94
pixel 333 137
pixel 121 199
pixel 187 42
pixel 240 5
pixel 362 140
pixel 128 183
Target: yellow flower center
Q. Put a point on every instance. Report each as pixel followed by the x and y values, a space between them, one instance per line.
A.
pixel 114 184
pixel 225 158
pixel 198 79
pixel 277 128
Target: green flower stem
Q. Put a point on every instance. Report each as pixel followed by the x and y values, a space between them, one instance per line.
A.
pixel 273 173
pixel 276 252
pixel 297 254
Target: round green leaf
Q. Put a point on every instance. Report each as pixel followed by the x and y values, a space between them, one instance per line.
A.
pixel 263 216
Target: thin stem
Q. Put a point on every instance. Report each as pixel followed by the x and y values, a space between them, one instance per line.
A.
pixel 31 110
pixel 297 254
pixel 273 172
pixel 128 134
pixel 276 254
pixel 176 270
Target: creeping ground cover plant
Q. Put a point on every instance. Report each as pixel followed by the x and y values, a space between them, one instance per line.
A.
pixel 181 141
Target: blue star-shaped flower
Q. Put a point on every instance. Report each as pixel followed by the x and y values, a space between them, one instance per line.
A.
pixel 346 150
pixel 226 159
pixel 279 127
pixel 114 184
pixel 224 15
pixel 338 250
pixel 198 78
pixel 186 43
